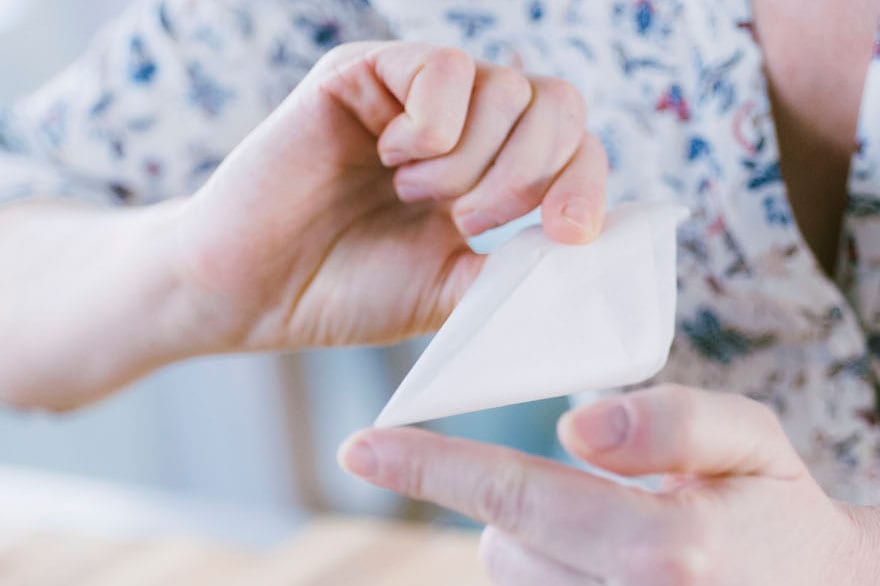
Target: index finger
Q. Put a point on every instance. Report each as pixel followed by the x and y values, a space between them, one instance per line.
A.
pixel 565 513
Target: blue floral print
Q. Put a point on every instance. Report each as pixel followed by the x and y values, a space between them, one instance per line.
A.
pixel 718 342
pixel 142 68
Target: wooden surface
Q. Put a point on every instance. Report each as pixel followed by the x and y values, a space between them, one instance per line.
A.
pixel 329 552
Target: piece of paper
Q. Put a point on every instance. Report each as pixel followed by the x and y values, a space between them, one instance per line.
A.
pixel 545 320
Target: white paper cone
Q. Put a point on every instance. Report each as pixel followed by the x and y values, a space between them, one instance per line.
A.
pixel 545 319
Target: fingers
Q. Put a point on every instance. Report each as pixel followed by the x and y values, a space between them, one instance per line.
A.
pixel 413 96
pixel 510 563
pixel 501 95
pixel 497 142
pixel 348 75
pixel 543 504
pixel 574 208
pixel 672 429
pixel 435 88
pixel 540 147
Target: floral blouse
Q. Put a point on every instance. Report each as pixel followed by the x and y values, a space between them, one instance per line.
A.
pixel 676 91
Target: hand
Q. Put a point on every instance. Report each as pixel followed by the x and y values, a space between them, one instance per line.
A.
pixel 342 219
pixel 737 507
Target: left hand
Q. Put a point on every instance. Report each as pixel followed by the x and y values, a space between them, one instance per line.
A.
pixel 737 507
pixel 343 218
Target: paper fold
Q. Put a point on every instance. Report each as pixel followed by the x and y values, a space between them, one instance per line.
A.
pixel 545 319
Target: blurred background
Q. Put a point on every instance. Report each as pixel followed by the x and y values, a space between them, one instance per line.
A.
pixel 239 448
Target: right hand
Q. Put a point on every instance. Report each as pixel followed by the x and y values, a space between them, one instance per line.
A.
pixel 343 218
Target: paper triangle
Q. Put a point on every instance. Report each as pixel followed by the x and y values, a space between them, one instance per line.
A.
pixel 545 320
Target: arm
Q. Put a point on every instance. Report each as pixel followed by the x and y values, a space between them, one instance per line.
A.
pixel 90 296
pixel 342 219
pixel 90 300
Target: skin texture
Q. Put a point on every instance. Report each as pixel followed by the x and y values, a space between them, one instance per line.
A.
pixel 342 219
pixel 738 507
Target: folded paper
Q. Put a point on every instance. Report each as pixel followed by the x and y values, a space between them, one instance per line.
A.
pixel 545 319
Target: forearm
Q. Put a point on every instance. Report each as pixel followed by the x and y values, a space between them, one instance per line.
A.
pixel 90 299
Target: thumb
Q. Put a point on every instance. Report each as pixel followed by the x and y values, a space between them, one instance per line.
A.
pixel 459 272
pixel 678 430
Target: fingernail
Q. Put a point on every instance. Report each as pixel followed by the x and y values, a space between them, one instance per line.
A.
pixel 576 212
pixel 475 222
pixel 359 458
pixel 602 427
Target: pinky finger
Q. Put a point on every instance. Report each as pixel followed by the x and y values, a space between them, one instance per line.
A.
pixel 574 207
pixel 509 563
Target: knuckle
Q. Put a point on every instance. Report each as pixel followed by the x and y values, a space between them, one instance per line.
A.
pixel 343 53
pixel 335 54
pixel 567 99
pixel 453 60
pixel 408 477
pixel 680 553
pixel 501 497
pixel 682 566
pixel 511 89
pixel 432 139
pixel 415 478
pixel 691 544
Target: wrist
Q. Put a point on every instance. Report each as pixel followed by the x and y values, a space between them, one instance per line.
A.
pixel 142 296
pixel 223 302
pixel 191 319
pixel 107 308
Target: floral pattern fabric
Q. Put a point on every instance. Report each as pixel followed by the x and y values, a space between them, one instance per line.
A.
pixel 677 93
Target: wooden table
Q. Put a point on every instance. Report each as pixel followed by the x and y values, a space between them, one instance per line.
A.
pixel 328 552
